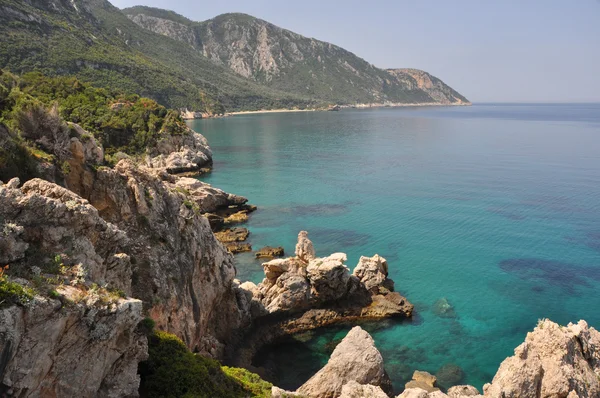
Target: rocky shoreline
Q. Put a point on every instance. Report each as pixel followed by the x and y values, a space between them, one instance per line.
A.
pixel 92 257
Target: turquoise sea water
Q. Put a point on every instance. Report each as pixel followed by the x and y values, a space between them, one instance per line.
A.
pixel 494 207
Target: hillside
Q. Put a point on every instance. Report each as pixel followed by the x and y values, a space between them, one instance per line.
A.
pixel 286 61
pixel 94 41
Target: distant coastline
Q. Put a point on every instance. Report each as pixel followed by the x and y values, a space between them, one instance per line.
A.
pixel 354 106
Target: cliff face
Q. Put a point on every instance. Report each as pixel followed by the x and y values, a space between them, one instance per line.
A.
pixel 281 59
pixel 83 249
pixel 71 339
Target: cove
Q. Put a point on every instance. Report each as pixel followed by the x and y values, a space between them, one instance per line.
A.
pixel 495 208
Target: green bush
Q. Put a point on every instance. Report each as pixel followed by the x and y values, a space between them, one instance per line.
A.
pixel 13 293
pixel 173 371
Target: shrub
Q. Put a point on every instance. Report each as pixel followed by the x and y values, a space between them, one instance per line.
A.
pixel 173 371
pixel 13 293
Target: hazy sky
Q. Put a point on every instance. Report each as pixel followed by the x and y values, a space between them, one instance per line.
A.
pixel 502 50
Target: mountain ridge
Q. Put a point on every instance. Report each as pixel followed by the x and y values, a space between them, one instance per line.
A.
pixel 94 41
pixel 287 61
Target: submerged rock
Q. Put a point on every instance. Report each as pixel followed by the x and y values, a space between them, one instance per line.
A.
pixel 449 375
pixel 355 359
pixel 444 309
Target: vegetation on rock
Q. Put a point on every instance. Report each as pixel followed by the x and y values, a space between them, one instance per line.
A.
pixel 173 371
pixel 12 292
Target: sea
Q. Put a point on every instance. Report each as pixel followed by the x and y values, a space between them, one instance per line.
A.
pixel 490 212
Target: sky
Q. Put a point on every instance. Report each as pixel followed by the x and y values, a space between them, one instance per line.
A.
pixel 490 51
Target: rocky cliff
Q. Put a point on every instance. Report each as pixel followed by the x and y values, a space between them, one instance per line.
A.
pixel 77 253
pixel 287 61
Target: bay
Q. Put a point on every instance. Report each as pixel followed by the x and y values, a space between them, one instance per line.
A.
pixel 494 207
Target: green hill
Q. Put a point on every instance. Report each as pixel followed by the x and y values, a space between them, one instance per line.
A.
pixel 286 61
pixel 96 42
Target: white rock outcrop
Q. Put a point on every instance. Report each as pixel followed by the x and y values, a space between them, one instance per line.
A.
pixel 554 361
pixel 355 359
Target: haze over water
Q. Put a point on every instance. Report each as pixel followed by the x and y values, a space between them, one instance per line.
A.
pixel 494 207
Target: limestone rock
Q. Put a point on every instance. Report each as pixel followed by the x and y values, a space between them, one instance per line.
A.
pixel 232 235
pixel 238 247
pixel 423 380
pixel 414 393
pixel 270 252
pixel 554 361
pixel 355 359
pixel 328 277
pixel 75 351
pixel 372 271
pixel 12 246
pixel 277 392
pixel 208 198
pixel 353 389
pixel 180 153
pixel 463 391
pixel 304 248
pixel 71 228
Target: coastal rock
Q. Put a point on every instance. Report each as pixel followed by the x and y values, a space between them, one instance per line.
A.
pixel 355 359
pixel 238 247
pixel 180 153
pixel 304 248
pixel 328 277
pixel 297 296
pixel 76 351
pixel 12 245
pixel 99 328
pixel 353 389
pixel 71 229
pixel 270 252
pixel 423 380
pixel 463 391
pixel 554 361
pixel 173 254
pixel 277 392
pixel 373 272
pixel 232 235
pixel 237 218
pixel 206 197
pixel 421 393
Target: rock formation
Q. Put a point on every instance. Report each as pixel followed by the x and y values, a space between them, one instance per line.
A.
pixel 554 361
pixel 422 380
pixel 83 340
pixel 181 153
pixel 305 282
pixel 355 359
pixel 115 232
pixel 307 292
pixel 269 252
pixel 353 389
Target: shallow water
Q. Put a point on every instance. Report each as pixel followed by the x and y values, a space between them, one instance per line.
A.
pixel 494 207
